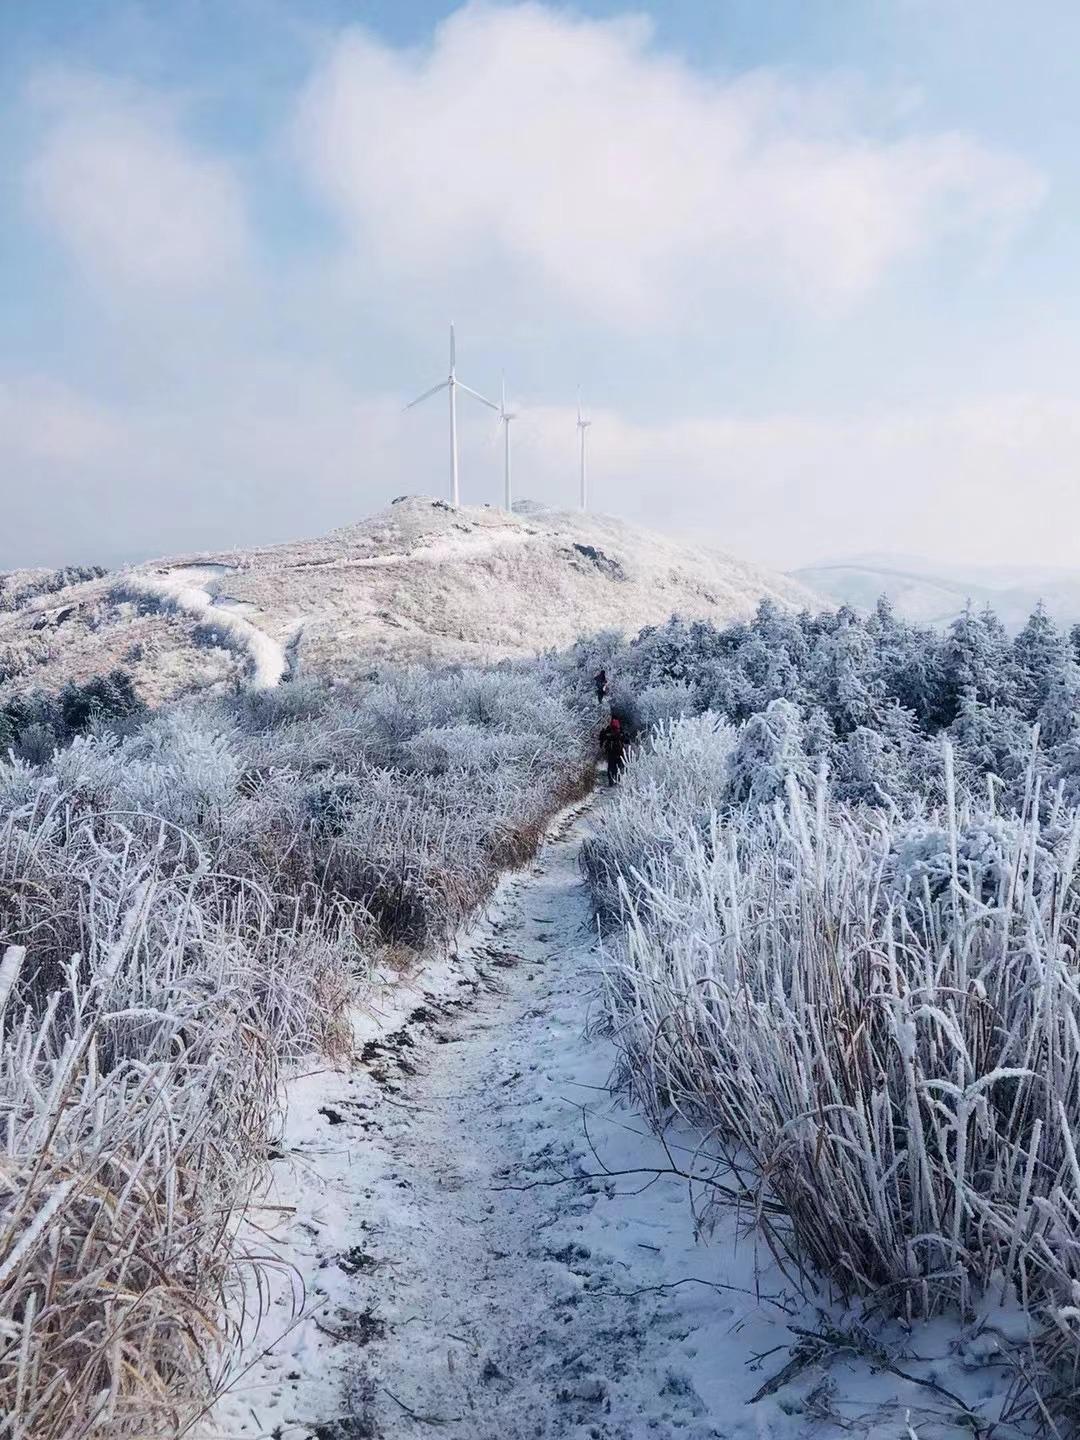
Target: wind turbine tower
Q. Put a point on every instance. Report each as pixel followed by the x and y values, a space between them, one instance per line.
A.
pixel 506 416
pixel 453 385
pixel 583 425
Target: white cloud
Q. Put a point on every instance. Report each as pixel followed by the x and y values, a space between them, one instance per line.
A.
pixel 527 144
pixel 44 421
pixel 295 452
pixel 128 195
pixel 986 480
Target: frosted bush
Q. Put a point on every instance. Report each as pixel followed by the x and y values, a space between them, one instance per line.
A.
pixel 920 860
pixel 676 779
pixel 464 748
pixel 662 704
pixel 769 748
pixel 881 1019
pixel 181 908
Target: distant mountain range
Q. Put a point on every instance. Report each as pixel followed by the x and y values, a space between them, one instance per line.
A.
pixel 934 594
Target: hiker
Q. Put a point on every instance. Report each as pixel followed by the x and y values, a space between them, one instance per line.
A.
pixel 600 681
pixel 613 746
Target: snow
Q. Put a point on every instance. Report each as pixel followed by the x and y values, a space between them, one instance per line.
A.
pixel 421 580
pixel 581 1304
pixel 935 593
pixel 183 588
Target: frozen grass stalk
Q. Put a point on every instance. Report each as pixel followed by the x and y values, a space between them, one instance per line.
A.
pixel 184 911
pixel 882 1020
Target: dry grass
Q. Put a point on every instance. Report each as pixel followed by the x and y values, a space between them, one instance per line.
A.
pixel 182 912
pixel 881 1018
pixel 139 1081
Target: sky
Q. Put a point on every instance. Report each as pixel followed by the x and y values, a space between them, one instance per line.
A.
pixel 810 263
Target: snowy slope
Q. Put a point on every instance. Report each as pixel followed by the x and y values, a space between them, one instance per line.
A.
pixel 419 580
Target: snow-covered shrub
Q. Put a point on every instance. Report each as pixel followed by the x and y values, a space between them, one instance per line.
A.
pixel 675 780
pixel 661 704
pixel 769 748
pixel 879 1015
pixel 183 906
pixel 20 587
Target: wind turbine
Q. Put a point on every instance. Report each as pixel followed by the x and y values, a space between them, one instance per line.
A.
pixel 582 426
pixel 453 385
pixel 506 416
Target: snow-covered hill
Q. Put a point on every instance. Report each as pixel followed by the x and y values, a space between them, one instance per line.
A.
pixel 420 580
pixel 932 594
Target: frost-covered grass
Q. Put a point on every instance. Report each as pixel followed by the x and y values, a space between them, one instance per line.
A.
pixel 879 1015
pixel 184 907
pixel 265 655
pixel 138 1076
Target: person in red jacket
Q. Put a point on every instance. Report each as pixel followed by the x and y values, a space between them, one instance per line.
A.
pixel 613 748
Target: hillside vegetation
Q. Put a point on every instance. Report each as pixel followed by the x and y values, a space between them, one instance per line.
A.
pixel 842 911
pixel 420 581
pixel 187 902
pixel 843 881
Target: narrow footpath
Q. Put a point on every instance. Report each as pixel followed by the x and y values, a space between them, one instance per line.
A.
pixel 528 1312
pixel 488 1249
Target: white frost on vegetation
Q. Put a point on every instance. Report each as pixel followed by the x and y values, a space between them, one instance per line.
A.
pixel 419 581
pixel 267 657
pixel 185 907
pixel 879 1015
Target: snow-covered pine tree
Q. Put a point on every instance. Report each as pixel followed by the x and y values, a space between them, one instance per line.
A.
pixel 843 678
pixel 1039 653
pixel 1059 716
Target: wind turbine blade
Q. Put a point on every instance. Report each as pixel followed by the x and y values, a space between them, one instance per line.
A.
pixel 428 394
pixel 477 396
pixel 453 347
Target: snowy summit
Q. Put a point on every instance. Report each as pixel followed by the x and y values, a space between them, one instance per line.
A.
pixel 420 580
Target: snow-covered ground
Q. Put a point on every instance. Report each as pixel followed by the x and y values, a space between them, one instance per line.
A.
pixel 470 1265
pixel 186 588
pixel 421 580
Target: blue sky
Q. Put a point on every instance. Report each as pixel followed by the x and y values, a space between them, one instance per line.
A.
pixel 813 265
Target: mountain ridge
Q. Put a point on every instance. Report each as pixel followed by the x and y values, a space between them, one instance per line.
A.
pixel 420 580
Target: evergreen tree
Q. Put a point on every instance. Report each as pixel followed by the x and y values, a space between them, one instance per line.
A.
pixel 1039 654
pixel 842 677
pixel 909 664
pixel 105 697
pixel 974 659
pixel 780 630
pixel 1059 717
pixel 782 681
pixel 818 734
pixel 994 740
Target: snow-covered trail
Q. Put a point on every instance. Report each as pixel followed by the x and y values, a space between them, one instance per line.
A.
pixel 578 1305
pixel 185 589
pixel 505 1313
